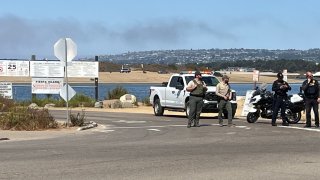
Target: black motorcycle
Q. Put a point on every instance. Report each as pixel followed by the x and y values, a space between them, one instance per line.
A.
pixel 261 104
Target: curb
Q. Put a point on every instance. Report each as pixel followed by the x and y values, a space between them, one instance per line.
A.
pixel 91 124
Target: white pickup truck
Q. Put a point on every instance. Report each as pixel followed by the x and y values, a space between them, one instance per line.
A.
pixel 173 96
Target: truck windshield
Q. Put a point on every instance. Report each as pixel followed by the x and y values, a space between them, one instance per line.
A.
pixel 209 80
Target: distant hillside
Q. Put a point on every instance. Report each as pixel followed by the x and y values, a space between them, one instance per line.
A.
pixel 160 68
pixel 210 55
pixel 299 66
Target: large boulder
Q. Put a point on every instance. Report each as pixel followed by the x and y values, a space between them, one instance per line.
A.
pixel 128 98
pixel 113 103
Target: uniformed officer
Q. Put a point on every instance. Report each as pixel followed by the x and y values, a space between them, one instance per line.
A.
pixel 280 88
pixel 197 89
pixel 224 92
pixel 312 98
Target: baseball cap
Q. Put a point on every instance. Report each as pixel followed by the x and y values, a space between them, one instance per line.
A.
pixel 197 73
pixel 280 75
pixel 225 77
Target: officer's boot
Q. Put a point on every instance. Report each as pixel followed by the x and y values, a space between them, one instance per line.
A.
pixel 189 123
pixel 196 123
pixel 221 122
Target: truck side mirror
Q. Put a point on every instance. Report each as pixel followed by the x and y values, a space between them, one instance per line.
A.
pixel 179 86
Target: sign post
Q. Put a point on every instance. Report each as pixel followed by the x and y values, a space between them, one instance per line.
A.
pixel 255 78
pixel 65 50
pixel 285 75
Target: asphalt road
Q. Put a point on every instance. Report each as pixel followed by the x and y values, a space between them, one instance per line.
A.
pixel 141 146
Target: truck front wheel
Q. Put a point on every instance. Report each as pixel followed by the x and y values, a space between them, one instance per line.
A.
pixel 187 109
pixel 157 108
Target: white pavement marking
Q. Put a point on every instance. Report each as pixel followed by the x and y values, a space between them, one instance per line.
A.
pixel 138 127
pixel 129 122
pixel 177 125
pixel 101 130
pixel 153 129
pixel 230 133
pixel 305 129
pixel 243 127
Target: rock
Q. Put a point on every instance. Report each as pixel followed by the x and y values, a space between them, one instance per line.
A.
pixel 98 104
pixel 47 106
pixel 128 98
pixel 113 103
pixel 127 105
pixel 116 104
pixel 33 106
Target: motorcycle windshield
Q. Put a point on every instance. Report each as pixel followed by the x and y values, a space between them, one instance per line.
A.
pixel 260 89
pixel 263 86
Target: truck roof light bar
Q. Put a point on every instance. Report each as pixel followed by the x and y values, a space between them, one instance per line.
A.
pixel 192 72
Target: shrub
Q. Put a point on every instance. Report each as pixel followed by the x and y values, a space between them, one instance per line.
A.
pixel 81 100
pixel 43 101
pixel 23 118
pixel 5 104
pixel 117 92
pixel 77 120
pixel 146 101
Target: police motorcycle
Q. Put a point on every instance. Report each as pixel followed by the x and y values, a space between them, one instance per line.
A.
pixel 261 103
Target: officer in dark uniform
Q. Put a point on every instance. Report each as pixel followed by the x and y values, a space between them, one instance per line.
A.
pixel 197 89
pixel 280 88
pixel 312 99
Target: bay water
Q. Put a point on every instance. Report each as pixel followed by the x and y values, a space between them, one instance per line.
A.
pixel 22 92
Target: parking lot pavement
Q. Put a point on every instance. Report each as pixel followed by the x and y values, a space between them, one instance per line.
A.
pixel 110 122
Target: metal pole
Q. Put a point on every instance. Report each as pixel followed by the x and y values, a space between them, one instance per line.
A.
pixel 96 83
pixel 66 76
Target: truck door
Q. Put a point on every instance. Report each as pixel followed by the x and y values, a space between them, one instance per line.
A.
pixel 174 95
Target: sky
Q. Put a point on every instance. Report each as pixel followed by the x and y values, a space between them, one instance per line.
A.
pixel 100 27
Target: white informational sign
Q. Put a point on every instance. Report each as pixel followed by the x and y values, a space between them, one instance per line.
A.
pixel 83 69
pixel 6 90
pixel 46 85
pixel 285 75
pixel 14 68
pixel 46 69
pixel 63 92
pixel 246 106
pixel 255 76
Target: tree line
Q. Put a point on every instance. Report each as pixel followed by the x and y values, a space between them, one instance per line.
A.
pixel 298 66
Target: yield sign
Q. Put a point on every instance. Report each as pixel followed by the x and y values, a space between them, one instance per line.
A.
pixel 63 92
pixel 65 49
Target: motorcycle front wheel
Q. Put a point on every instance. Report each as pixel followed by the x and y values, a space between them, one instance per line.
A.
pixel 293 118
pixel 252 117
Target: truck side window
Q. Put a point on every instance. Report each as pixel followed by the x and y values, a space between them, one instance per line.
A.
pixel 180 81
pixel 174 81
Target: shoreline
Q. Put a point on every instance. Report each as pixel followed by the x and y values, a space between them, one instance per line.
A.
pixel 138 77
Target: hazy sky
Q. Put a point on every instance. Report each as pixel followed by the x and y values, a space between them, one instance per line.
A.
pixel 111 27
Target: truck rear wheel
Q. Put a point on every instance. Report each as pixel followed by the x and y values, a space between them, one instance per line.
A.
pixel 157 108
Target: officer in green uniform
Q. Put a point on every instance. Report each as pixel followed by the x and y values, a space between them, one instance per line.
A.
pixel 197 89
